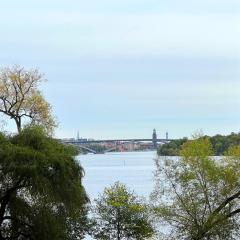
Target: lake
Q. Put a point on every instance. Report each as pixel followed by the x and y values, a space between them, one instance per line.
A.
pixel 135 169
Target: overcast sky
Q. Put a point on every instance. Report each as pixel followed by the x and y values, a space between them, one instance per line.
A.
pixel 119 68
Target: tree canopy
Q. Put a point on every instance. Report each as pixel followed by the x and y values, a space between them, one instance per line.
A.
pixel 220 145
pixel 197 196
pixel 172 148
pixel 120 214
pixel 41 192
pixel 21 100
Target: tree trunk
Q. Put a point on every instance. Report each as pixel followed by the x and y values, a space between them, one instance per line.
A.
pixel 18 123
pixel 118 225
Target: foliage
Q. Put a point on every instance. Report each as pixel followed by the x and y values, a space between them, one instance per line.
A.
pixel 41 193
pixel 220 145
pixel 172 148
pixel 197 196
pixel 120 214
pixel 21 100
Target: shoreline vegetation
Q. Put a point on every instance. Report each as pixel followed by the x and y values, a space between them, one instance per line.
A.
pixel 220 144
pixel 42 195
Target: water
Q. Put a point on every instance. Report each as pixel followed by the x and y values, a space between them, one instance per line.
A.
pixel 135 169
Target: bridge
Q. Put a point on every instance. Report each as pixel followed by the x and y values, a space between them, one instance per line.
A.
pixel 113 144
pixel 76 142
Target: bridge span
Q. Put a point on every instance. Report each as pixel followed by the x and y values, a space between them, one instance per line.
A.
pixel 79 141
pixel 113 144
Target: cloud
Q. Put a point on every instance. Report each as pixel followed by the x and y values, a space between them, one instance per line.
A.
pixel 132 64
pixel 137 35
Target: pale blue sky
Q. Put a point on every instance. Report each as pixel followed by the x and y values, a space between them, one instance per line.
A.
pixel 119 68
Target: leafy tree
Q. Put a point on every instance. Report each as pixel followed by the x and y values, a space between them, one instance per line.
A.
pixel 21 100
pixel 197 196
pixel 220 145
pixel 172 148
pixel 120 214
pixel 41 193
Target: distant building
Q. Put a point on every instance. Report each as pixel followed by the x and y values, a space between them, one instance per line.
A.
pixel 154 139
pixel 166 135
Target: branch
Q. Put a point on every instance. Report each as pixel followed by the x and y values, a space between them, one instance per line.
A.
pixel 231 214
pixel 180 199
pixel 227 201
pixel 211 223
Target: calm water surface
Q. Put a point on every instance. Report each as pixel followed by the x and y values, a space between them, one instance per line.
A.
pixel 135 169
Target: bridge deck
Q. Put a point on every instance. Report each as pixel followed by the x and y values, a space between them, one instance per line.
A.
pixel 117 140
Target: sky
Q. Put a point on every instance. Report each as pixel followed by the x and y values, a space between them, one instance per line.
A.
pixel 119 68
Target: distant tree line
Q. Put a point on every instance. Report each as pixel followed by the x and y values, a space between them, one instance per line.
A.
pixel 220 144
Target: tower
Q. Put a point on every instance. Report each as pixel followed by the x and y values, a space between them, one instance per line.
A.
pixel 166 135
pixel 78 136
pixel 154 139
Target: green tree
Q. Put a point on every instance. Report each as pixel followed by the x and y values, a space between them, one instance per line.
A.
pixel 220 145
pixel 172 148
pixel 21 100
pixel 197 196
pixel 41 192
pixel 120 214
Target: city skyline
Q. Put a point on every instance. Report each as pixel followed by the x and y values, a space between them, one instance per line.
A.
pixel 118 69
pixel 85 138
